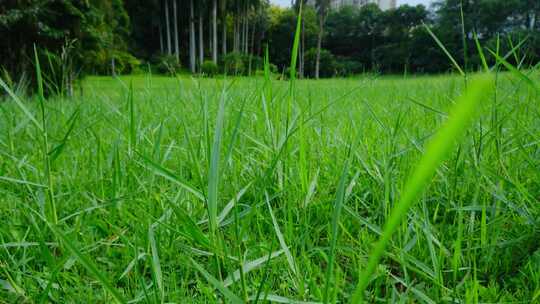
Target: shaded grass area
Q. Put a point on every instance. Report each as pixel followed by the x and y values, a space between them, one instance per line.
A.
pixel 245 189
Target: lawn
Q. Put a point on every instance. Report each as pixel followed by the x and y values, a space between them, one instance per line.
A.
pixel 151 189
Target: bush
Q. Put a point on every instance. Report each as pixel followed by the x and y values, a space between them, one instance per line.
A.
pixel 166 64
pixel 209 68
pixel 273 68
pixel 233 64
pixel 348 67
pixel 241 64
pixel 125 63
pixel 257 63
pixel 100 62
pixel 327 66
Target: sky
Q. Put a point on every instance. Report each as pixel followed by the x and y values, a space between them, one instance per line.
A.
pixel 410 2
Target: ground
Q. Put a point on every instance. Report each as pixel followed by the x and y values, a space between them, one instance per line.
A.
pixel 116 206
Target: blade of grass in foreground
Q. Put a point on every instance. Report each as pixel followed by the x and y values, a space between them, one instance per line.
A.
pixel 338 206
pixel 87 263
pixel 280 237
pixel 21 105
pixel 515 71
pixel 437 150
pixel 213 173
pixel 229 295
pixel 441 45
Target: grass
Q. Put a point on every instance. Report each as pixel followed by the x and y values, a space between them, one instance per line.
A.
pixel 248 189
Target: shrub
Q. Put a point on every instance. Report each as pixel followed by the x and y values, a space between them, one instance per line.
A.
pixel 257 63
pixel 166 64
pixel 241 64
pixel 125 63
pixel 327 66
pixel 286 73
pixel 233 64
pixel 209 68
pixel 100 62
pixel 348 67
pixel 273 68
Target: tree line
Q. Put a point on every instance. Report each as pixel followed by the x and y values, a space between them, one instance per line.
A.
pixel 119 36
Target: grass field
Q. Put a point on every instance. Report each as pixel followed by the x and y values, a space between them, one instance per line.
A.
pixel 184 190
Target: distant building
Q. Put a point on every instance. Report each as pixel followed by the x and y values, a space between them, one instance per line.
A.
pixel 336 4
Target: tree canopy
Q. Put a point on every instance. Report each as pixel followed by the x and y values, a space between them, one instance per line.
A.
pixel 119 36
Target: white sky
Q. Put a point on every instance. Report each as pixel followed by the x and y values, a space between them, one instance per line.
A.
pixel 410 2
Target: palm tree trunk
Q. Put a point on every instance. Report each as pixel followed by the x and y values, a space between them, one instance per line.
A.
pixel 176 43
pixel 210 46
pixel 192 46
pixel 319 44
pixel 160 28
pixel 235 30
pixel 167 26
pixel 246 40
pixel 201 37
pixel 251 48
pixel 245 30
pixel 224 25
pixel 214 32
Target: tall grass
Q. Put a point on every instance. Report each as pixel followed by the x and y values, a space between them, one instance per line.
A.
pixel 198 190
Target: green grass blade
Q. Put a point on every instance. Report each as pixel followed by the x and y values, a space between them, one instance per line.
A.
pixel 510 52
pixel 463 37
pixel 439 147
pixel 481 53
pixel 21 105
pixel 57 150
pixel 280 237
pixel 229 295
pixel 272 298
pixel 213 173
pixel 132 131
pixel 39 78
pixel 156 265
pixel 516 72
pixel 441 45
pixel 166 173
pixel 338 206
pixel 20 181
pixel 296 44
pixel 87 263
pixel 45 141
pixel 250 266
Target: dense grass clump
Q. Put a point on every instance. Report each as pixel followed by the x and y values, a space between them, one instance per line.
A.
pixel 152 189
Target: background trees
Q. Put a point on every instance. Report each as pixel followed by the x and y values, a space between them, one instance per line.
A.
pixel 106 36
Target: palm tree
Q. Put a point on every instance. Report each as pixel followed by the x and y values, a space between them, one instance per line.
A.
pixel 192 46
pixel 322 11
pixel 201 34
pixel 176 43
pixel 224 26
pixel 214 32
pixel 167 26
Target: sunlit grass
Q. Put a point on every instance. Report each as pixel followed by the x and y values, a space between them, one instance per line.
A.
pixel 192 190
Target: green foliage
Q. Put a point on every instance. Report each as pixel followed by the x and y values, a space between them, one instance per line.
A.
pixel 348 67
pixel 136 172
pixel 328 62
pixel 209 68
pixel 96 31
pixel 242 64
pixel 282 30
pixel 166 64
pixel 234 64
pixel 100 62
